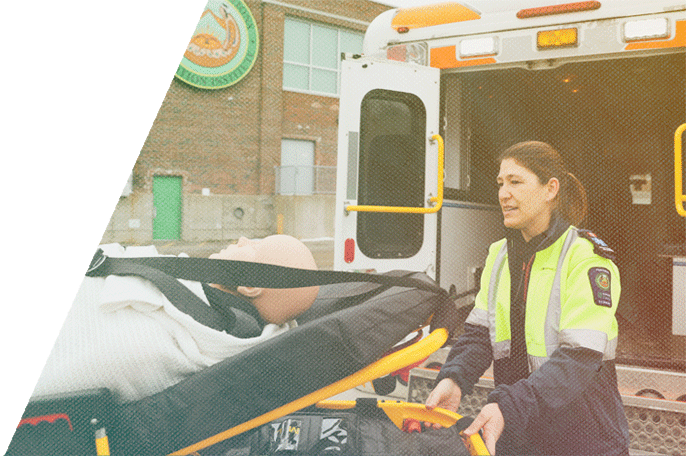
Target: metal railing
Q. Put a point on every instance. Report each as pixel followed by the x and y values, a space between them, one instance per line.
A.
pixel 304 180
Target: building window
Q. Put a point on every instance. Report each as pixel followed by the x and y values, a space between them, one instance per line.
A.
pixel 312 56
pixel 298 175
pixel 297 162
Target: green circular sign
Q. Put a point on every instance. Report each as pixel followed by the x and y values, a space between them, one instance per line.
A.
pixel 223 48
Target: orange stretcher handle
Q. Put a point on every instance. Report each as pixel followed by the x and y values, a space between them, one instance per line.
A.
pixel 399 411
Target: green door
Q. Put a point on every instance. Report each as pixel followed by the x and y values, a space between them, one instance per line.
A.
pixel 166 199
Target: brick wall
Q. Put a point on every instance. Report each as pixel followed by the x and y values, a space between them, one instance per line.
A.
pixel 229 140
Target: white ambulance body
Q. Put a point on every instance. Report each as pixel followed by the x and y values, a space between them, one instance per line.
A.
pixel 602 81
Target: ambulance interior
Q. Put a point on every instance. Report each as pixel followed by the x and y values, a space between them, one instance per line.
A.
pixel 614 122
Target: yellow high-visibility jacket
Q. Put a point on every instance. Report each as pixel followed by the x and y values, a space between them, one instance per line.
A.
pixel 571 301
pixel 569 402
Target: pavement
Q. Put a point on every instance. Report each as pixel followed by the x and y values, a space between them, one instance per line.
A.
pixel 322 249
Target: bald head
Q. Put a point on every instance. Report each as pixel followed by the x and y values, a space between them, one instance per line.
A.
pixel 275 305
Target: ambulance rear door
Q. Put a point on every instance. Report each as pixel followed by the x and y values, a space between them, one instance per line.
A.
pixel 390 170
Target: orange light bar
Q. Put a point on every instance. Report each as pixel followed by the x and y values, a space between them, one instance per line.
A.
pixel 558 9
pixel 426 16
pixel 557 38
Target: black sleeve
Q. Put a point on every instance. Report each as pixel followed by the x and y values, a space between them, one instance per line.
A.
pixel 469 358
pixel 559 381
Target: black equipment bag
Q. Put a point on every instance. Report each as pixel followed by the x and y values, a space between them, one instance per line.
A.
pixel 362 431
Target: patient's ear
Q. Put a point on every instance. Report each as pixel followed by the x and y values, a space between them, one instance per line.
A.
pixel 250 292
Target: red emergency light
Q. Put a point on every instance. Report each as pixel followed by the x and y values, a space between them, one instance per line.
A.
pixel 349 250
pixel 558 9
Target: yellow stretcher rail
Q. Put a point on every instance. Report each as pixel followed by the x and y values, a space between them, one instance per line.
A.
pixel 399 411
pixel 384 366
pixel 438 199
pixel 679 196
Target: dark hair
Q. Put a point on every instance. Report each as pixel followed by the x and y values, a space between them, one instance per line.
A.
pixel 545 162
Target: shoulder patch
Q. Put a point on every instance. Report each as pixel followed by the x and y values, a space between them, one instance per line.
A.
pixel 599 246
pixel 600 284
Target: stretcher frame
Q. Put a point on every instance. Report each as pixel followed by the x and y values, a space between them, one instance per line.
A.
pixel 397 411
pixel 384 366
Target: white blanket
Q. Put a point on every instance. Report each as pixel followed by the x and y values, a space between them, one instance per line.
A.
pixel 123 334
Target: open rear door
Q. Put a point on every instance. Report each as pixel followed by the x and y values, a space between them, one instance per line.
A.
pixel 679 196
pixel 390 167
pixel 679 257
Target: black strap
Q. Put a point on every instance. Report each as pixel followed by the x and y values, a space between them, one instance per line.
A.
pixel 232 273
pixel 180 296
pixel 227 303
pixel 162 271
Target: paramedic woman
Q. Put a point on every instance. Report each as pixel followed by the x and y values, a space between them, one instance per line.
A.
pixel 545 317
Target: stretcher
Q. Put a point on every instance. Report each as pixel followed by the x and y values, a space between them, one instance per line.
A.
pixel 95 412
pixel 339 344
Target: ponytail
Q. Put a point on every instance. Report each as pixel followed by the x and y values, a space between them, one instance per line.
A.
pixel 543 160
pixel 572 202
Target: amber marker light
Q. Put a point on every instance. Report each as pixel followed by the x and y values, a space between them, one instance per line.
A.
pixel 557 38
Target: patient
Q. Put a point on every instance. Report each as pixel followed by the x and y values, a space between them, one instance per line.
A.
pixel 274 305
pixel 123 334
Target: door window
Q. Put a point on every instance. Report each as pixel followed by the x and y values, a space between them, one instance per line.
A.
pixel 391 173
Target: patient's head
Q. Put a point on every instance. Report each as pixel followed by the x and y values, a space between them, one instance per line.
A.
pixel 275 305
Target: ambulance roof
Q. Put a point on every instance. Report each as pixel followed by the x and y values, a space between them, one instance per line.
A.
pixel 468 17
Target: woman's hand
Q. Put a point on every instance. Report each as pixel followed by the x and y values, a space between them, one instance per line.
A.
pixel 491 420
pixel 446 395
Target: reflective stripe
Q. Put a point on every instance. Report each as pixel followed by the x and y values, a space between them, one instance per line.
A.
pixel 500 349
pixel 536 361
pixel 587 338
pixel 610 350
pixel 478 317
pixel 551 329
pixel 608 354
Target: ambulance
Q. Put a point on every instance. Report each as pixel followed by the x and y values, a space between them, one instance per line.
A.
pixel 441 90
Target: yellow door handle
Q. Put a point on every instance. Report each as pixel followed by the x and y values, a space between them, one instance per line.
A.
pixel 438 199
pixel 679 197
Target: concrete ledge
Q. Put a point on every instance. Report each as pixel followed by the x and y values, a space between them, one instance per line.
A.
pixel 210 218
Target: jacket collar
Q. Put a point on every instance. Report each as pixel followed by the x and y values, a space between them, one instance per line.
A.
pixel 557 228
